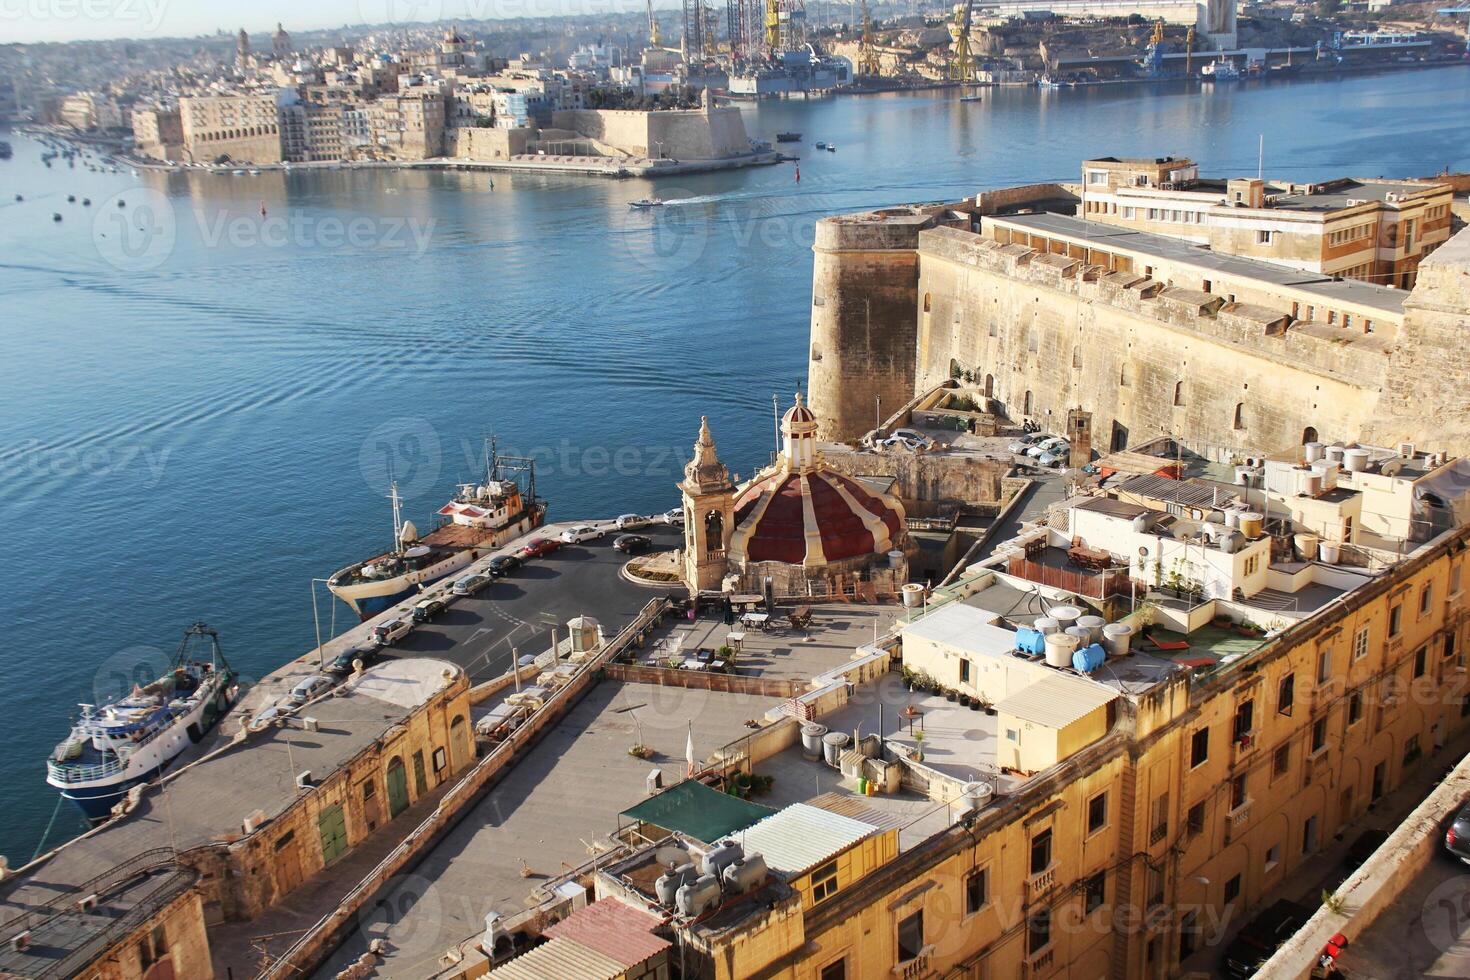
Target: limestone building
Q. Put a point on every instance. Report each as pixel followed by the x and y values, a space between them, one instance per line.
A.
pixel 1043 307
pixel 237 128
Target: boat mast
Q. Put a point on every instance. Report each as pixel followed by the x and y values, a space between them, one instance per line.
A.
pixel 397 516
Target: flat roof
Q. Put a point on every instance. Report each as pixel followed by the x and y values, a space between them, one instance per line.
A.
pixel 965 628
pixel 1349 193
pixel 800 837
pixel 1057 699
pixel 1161 246
pixel 1113 507
pixel 1184 492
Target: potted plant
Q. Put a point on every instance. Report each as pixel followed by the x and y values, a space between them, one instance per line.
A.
pixel 919 745
pixel 640 751
pixel 985 704
pixel 951 695
pixel 964 700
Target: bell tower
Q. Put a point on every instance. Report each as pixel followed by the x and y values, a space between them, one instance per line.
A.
pixel 709 514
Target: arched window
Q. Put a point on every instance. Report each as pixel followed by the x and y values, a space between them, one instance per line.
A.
pixel 1309 434
pixel 1178 393
pixel 926 302
pixel 1240 415
pixel 714 532
pixel 990 386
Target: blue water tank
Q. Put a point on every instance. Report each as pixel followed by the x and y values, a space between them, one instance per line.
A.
pixel 1089 658
pixel 1030 641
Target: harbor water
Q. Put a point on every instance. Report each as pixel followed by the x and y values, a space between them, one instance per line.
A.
pixel 205 391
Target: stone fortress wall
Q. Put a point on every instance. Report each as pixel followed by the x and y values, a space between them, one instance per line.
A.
pixel 1048 332
pixel 679 134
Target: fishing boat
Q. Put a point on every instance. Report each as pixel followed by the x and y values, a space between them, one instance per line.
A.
pixel 972 98
pixel 788 137
pixel 1219 70
pixel 480 518
pixel 646 202
pixel 133 739
pixel 831 147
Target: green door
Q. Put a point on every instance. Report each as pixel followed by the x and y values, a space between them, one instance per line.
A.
pixel 420 782
pixel 397 787
pixel 333 827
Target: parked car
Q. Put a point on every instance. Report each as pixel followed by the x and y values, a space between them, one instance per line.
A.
pixel 579 533
pixel 1024 443
pixel 913 435
pixel 390 631
pixel 503 565
pixel 902 442
pixel 1047 446
pixel 626 521
pixel 632 544
pixel 426 609
pixel 1457 836
pixel 310 687
pixel 675 516
pixel 342 663
pixel 470 584
pixel 1362 848
pixel 1261 937
pixel 539 546
pixel 1050 459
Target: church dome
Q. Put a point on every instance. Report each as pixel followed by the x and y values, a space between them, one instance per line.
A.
pixel 813 518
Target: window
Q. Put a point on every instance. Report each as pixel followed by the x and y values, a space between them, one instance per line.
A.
pixel 835 971
pixel 1324 666
pixel 1041 852
pixel 1286 694
pixel 1395 619
pixel 964 671
pixel 1199 749
pixel 1161 817
pixel 1038 932
pixel 1319 735
pixel 1455 579
pixel 1355 708
pixel 1194 822
pixel 1264 237
pixel 1281 760
pixel 824 882
pixel 1232 889
pixel 1240 415
pixel 1244 718
pixel 1238 798
pixel 1449 645
pixel 1097 176
pixel 1095 892
pixel 1421 658
pixel 1097 813
pixel 927 305
pixel 1273 856
pixel 1426 599
pixel 369 789
pixel 976 887
pixel 284 839
pixel 911 936
pixel 1360 644
pixel 1178 394
pixel 1411 749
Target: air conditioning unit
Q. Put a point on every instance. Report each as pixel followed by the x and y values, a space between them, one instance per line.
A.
pixel 1406 450
pixel 310 725
pixel 303 780
pixel 21 941
pixel 254 821
pixel 88 903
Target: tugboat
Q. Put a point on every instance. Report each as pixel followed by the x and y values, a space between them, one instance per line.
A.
pixel 133 739
pixel 479 519
pixel 788 137
pixel 1219 70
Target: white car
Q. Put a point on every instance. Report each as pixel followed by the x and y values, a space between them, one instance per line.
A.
pixel 1050 459
pixel 1024 443
pixel 903 442
pixel 390 631
pixel 914 435
pixel 1049 446
pixel 627 521
pixel 675 516
pixel 313 686
pixel 579 533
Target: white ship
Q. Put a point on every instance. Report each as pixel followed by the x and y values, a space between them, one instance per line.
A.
pixel 479 519
pixel 131 740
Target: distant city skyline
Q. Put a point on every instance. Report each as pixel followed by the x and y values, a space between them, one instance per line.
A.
pixel 42 21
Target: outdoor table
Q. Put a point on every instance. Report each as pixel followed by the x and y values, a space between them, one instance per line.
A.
pixel 692 665
pixel 756 620
pixel 735 640
pixel 717 665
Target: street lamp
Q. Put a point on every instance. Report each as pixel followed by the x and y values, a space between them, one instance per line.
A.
pixel 317 620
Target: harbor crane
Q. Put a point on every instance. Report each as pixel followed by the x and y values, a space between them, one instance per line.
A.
pixel 962 62
pixel 1452 11
pixel 867 61
pixel 653 35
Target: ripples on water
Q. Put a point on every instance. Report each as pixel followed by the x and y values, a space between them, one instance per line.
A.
pixel 186 442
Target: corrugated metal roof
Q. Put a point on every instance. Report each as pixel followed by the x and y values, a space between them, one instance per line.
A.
pixel 1177 491
pixel 801 837
pixel 965 628
pixel 857 808
pixel 560 958
pixel 613 928
pixel 1057 700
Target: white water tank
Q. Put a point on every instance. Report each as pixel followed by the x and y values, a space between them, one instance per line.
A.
pixel 975 796
pixel 811 740
pixel 1064 615
pixel 1355 460
pixel 1251 524
pixel 1308 481
pixel 1094 626
pixel 1327 472
pixel 1312 451
pixel 1306 545
pixel 1046 625
pixel 1116 639
pixel 1334 453
pixel 913 595
pixel 1059 649
pixel 832 745
pixel 895 558
pixel 1328 552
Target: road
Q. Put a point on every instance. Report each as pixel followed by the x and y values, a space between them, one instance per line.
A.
pixel 1424 933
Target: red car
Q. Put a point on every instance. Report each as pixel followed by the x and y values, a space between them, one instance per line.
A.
pixel 540 546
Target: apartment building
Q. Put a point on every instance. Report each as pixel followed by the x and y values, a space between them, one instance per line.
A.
pixel 158 132
pixel 410 124
pixel 1375 230
pixel 237 128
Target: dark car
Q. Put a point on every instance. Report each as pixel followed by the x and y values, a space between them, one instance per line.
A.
pixel 540 546
pixel 1262 936
pixel 427 609
pixel 1363 847
pixel 1457 835
pixel 342 663
pixel 632 544
pixel 504 565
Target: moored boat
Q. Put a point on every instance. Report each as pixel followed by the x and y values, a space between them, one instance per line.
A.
pixel 646 202
pixel 479 519
pixel 132 739
pixel 788 137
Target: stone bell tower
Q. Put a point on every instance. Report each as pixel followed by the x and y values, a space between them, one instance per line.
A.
pixel 709 515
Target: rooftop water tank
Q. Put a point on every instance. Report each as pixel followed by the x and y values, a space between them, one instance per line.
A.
pixel 913 595
pixel 1243 476
pixel 811 740
pixel 1334 453
pixel 1306 545
pixel 832 745
pixel 1355 460
pixel 1328 552
pixel 1064 615
pixel 1094 626
pixel 668 884
pixel 974 796
pixel 1059 649
pixel 895 558
pixel 1230 542
pixel 746 874
pixel 1312 451
pixel 1046 626
pixel 1089 658
pixel 1030 641
pixel 1327 472
pixel 1251 524
pixel 698 896
pixel 721 856
pixel 1116 639
pixel 583 631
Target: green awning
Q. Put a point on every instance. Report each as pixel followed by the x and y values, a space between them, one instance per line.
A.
pixel 693 808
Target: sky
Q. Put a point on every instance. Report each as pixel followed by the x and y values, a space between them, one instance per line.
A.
pixel 30 21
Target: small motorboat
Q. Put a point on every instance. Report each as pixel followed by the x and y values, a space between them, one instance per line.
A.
pixel 646 202
pixel 56 216
pixel 71 199
pixel 831 147
pixel 788 137
pixel 971 98
pixel 821 144
pixel 86 202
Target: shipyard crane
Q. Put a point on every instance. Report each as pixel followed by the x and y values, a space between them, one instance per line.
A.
pixel 653 35
pixel 1452 11
pixel 867 61
pixel 962 64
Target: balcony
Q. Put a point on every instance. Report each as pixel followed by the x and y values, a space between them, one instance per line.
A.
pixel 1158 834
pixel 1239 817
pixel 1041 882
pixel 1042 961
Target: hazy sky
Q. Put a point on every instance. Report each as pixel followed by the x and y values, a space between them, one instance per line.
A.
pixel 70 20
